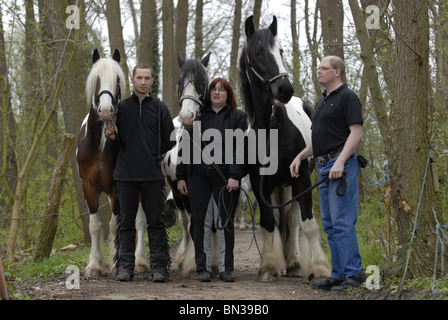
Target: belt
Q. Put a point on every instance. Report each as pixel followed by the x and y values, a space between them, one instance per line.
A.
pixel 322 160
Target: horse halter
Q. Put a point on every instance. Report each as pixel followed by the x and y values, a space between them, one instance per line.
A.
pixel 266 82
pixel 115 100
pixel 190 97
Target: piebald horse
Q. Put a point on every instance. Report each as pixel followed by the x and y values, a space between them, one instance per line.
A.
pixel 106 84
pixel 270 105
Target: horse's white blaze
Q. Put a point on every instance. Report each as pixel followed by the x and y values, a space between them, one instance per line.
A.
pixel 190 108
pixel 105 106
pixel 275 50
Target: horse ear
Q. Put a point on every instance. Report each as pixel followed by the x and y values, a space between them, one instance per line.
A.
pixel 273 27
pixel 206 59
pixel 180 60
pixel 116 56
pixel 250 27
pixel 95 56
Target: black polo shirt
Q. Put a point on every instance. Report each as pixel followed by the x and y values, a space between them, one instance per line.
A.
pixel 333 116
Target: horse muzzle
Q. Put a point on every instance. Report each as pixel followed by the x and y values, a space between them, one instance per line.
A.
pixel 106 114
pixel 282 91
pixel 187 118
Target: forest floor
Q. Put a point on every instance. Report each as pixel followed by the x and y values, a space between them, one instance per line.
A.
pixel 246 287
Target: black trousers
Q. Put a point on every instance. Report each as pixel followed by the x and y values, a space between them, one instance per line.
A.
pixel 209 215
pixel 151 198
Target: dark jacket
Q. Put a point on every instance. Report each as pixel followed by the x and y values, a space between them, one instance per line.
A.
pixel 226 118
pixel 138 127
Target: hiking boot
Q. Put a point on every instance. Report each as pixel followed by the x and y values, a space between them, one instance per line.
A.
pixel 325 284
pixel 204 276
pixel 124 276
pixel 227 276
pixel 159 277
pixel 351 282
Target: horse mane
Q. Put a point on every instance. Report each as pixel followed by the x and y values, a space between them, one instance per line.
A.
pixel 200 76
pixel 108 70
pixel 253 46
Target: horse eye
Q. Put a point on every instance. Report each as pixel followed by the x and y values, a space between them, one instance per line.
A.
pixel 281 52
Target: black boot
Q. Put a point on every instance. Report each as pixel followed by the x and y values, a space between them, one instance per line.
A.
pixel 124 275
pixel 325 284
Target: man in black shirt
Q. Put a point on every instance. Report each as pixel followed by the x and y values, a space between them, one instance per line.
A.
pixel 336 134
pixel 141 135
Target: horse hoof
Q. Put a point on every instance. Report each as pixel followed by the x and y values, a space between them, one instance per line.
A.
pixel 267 277
pixel 141 269
pixel 93 273
pixel 293 271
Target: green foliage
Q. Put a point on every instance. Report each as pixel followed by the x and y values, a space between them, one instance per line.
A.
pixel 376 232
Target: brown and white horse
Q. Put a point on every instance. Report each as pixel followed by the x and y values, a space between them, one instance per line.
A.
pixel 106 84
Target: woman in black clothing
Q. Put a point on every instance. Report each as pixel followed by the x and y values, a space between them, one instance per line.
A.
pixel 213 189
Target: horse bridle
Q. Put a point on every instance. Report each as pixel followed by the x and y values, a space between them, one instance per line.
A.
pixel 266 82
pixel 115 100
pixel 190 97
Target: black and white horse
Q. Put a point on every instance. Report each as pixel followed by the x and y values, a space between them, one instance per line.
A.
pixel 269 103
pixel 192 90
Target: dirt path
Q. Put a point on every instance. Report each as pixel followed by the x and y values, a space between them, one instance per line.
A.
pixel 246 287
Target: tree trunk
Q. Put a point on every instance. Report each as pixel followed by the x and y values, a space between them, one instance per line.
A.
pixel 257 13
pixel 73 104
pixel 313 44
pixel 134 21
pixel 298 88
pixel 50 222
pixel 370 67
pixel 148 48
pixel 181 27
pixel 198 32
pixel 3 289
pixel 170 68
pixel 410 139
pixel 115 28
pixel 8 159
pixel 332 19
pixel 233 72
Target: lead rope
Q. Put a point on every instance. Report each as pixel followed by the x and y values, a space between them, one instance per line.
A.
pixel 342 180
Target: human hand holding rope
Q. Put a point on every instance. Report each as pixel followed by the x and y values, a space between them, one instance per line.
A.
pixel 111 131
pixel 232 185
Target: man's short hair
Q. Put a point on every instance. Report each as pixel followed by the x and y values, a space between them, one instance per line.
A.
pixel 142 66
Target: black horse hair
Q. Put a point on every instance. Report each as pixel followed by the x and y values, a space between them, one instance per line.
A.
pixel 199 75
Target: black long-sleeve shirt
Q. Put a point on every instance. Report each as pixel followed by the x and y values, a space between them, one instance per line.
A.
pixel 138 157
pixel 226 118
